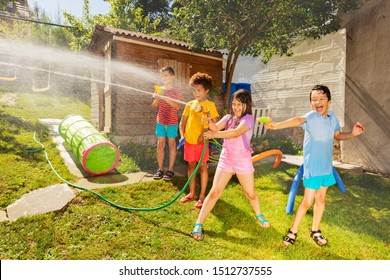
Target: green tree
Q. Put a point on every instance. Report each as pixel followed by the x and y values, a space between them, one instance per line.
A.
pixel 37 29
pixel 123 14
pixel 3 3
pixel 157 10
pixel 255 27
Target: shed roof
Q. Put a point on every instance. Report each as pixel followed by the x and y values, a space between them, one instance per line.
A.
pixel 103 33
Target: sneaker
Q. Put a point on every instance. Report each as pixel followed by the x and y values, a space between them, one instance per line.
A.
pixel 159 175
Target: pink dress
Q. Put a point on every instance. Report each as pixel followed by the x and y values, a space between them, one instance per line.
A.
pixel 236 154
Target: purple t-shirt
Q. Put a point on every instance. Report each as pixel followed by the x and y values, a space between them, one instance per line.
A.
pixel 229 143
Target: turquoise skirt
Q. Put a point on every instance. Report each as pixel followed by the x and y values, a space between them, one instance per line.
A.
pixel 316 182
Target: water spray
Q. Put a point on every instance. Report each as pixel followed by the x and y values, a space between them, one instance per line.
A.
pixel 90 79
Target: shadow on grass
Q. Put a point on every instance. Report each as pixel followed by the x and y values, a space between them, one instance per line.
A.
pixel 12 126
pixel 364 208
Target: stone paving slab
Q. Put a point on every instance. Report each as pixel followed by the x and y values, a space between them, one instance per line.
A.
pixel 3 216
pixel 298 160
pixel 111 180
pixel 41 201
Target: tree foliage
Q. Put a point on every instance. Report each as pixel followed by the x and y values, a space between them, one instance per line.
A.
pixel 123 14
pixel 255 27
pixel 3 3
pixel 35 32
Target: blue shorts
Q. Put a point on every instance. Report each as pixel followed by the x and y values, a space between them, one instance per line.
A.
pixel 316 182
pixel 169 131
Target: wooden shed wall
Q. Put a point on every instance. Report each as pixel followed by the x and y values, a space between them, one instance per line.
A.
pixel 132 113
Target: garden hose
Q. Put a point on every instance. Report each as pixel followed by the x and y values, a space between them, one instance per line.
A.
pixel 110 202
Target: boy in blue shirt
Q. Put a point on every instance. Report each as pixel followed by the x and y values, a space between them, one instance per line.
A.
pixel 321 127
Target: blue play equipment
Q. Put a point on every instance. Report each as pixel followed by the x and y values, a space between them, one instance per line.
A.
pixel 295 185
pixel 236 86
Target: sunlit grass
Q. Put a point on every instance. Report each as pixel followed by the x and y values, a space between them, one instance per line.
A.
pixel 356 223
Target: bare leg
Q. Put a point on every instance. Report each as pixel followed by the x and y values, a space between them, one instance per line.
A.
pixel 204 178
pixel 319 207
pixel 248 185
pixel 318 211
pixel 306 203
pixel 220 181
pixel 191 168
pixel 172 153
pixel 160 152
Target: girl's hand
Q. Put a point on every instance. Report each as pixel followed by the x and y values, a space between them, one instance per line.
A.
pixel 208 134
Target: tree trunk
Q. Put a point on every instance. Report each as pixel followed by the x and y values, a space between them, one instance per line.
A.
pixel 230 66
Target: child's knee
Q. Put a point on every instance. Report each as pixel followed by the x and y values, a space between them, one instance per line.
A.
pixel 191 165
pixel 160 144
pixel 251 195
pixel 203 166
pixel 307 203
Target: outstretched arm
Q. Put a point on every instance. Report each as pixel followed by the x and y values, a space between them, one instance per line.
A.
pixel 231 133
pixel 357 129
pixel 293 122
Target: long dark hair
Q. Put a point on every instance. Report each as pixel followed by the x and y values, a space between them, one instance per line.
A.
pixel 245 98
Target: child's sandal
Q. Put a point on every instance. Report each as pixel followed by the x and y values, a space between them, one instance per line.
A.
pixel 197 232
pixel 168 175
pixel 318 238
pixel 263 222
pixel 159 175
pixel 287 240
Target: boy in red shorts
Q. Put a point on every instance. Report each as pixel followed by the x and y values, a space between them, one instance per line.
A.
pixel 191 128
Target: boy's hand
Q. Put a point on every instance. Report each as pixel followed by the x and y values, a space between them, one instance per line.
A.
pixel 200 139
pixel 271 125
pixel 181 142
pixel 357 129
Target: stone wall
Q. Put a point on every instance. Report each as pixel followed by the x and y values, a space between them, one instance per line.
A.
pixel 354 63
pixel 367 93
pixel 284 83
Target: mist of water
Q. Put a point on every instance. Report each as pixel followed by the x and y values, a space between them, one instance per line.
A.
pixel 39 65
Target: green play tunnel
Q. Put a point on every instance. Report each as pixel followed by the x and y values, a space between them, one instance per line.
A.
pixel 96 154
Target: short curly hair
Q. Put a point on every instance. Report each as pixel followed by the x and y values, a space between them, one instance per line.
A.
pixel 201 79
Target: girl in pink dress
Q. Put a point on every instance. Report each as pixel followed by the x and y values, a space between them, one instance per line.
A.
pixel 236 158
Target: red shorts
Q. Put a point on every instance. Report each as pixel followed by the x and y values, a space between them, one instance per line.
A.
pixel 193 152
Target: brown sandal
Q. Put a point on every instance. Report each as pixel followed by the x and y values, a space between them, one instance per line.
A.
pixel 287 240
pixel 318 238
pixel 168 175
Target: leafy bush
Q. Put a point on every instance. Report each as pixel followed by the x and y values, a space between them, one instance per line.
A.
pixel 263 143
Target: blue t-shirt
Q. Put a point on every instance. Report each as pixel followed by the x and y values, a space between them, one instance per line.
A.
pixel 318 143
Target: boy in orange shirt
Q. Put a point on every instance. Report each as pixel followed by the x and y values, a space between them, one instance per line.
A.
pixel 191 128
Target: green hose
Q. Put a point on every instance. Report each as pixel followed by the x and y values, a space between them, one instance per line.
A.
pixel 112 203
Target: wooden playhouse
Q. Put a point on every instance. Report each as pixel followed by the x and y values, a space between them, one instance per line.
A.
pixel 122 84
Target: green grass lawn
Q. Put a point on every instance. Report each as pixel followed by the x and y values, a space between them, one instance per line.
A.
pixel 356 223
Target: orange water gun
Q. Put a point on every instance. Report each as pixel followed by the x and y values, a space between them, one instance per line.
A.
pixel 205 121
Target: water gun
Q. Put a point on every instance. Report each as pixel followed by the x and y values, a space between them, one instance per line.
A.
pixel 159 90
pixel 198 108
pixel 264 120
pixel 205 121
pixel 181 142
